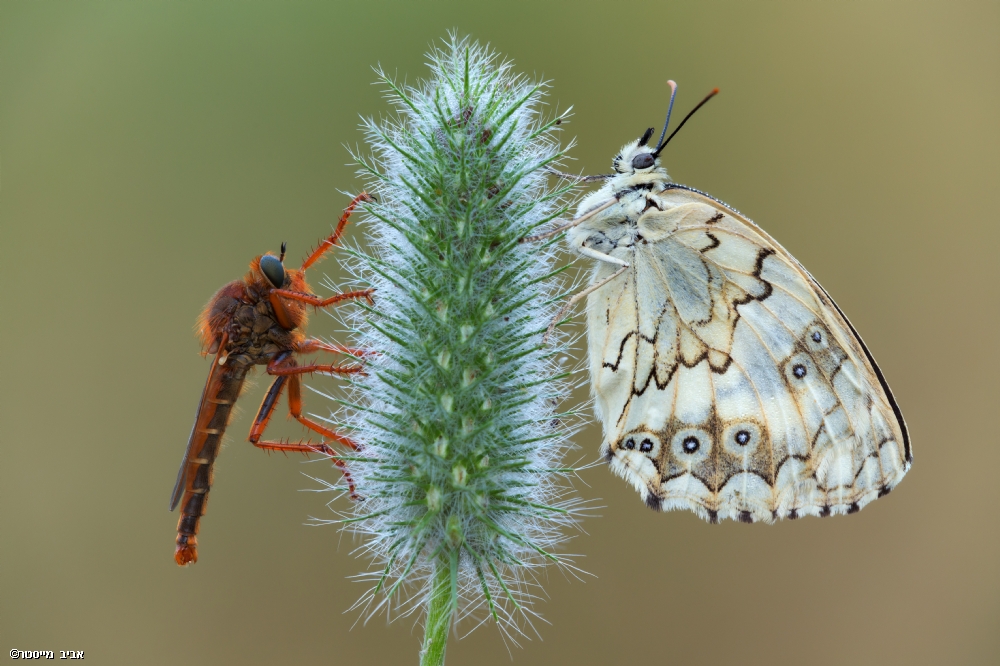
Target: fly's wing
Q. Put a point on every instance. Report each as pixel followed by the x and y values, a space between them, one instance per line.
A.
pixel 727 380
pixel 206 410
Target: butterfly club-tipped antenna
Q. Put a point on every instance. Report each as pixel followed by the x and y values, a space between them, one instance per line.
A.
pixel 663 144
pixel 670 109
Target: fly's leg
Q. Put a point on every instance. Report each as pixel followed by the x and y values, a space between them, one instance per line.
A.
pixel 329 242
pixel 332 239
pixel 284 366
pixel 311 345
pixel 295 407
pixel 276 295
pixel 324 302
pixel 286 369
pixel 308 448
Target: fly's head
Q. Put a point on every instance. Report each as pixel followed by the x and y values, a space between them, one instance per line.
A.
pixel 271 269
pixel 267 273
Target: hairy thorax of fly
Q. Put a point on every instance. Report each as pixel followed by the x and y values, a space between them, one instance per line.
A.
pixel 243 310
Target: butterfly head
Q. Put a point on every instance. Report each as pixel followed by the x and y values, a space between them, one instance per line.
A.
pixel 637 162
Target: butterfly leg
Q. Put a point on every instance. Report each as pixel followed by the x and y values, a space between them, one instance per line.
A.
pixel 580 296
pixel 569 225
pixel 600 256
pixel 578 179
pixel 295 407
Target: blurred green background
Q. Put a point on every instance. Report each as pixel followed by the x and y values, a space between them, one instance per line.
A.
pixel 149 150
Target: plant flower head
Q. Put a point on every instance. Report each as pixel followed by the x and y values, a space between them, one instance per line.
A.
pixel 461 449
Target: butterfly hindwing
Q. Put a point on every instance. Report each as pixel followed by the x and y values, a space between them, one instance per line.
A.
pixel 727 380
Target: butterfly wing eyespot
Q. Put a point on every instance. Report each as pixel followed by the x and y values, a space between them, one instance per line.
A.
pixel 741 440
pixel 641 442
pixel 637 458
pixel 691 448
pixel 717 343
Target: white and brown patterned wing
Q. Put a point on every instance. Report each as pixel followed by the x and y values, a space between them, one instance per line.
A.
pixel 728 381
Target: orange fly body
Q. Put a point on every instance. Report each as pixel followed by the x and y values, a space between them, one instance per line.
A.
pixel 259 320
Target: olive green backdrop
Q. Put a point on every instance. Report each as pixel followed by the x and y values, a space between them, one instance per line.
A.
pixel 148 150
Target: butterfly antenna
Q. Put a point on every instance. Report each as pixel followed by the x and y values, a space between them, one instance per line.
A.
pixel 673 93
pixel 690 113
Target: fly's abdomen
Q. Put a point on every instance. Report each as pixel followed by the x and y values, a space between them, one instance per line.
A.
pixel 221 392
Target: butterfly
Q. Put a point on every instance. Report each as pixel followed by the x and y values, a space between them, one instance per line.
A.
pixel 727 380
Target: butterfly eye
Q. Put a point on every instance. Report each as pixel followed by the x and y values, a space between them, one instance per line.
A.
pixel 642 161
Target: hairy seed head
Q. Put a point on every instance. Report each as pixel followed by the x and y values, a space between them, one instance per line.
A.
pixel 460 458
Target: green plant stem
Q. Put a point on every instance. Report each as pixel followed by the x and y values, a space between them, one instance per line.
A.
pixel 440 608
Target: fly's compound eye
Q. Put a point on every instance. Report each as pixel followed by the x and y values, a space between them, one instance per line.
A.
pixel 271 267
pixel 642 161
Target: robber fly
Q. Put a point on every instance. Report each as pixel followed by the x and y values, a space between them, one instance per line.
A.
pixel 258 320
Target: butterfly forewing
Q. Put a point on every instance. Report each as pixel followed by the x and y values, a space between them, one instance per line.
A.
pixel 727 380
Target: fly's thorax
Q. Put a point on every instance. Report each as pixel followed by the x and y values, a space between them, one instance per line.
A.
pixel 255 334
pixel 259 288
